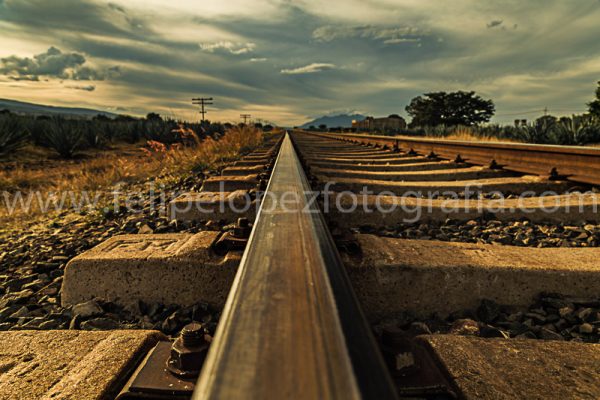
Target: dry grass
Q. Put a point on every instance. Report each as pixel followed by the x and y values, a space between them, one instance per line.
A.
pixel 102 172
pixel 468 136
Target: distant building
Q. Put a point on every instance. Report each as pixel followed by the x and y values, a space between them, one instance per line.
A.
pixel 392 123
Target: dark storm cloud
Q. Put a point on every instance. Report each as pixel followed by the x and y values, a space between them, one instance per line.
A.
pixel 387 35
pixel 53 64
pixel 82 16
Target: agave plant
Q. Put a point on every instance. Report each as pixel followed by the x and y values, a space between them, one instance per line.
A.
pixel 131 131
pixel 161 131
pixel 92 135
pixel 540 132
pixel 13 135
pixel 577 131
pixel 65 137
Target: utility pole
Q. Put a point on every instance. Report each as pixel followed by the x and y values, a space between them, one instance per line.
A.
pixel 202 101
pixel 545 111
pixel 245 117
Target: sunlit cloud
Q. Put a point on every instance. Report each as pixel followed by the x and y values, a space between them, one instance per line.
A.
pixel 308 69
pixel 230 47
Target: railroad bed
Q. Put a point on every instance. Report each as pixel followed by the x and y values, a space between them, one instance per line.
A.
pixel 352 271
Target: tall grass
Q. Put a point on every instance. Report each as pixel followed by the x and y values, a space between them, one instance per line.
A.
pixel 156 159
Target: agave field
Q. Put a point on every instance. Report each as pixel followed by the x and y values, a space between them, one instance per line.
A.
pixel 67 137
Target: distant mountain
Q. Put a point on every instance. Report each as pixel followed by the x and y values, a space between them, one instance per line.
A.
pixel 342 120
pixel 20 107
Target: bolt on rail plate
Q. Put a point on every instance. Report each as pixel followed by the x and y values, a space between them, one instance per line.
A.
pixel 153 381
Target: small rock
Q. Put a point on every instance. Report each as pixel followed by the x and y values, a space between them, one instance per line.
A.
pixel 52 324
pixel 87 309
pixel 547 334
pixel 74 323
pixel 8 311
pixel 586 328
pixel 419 328
pixel 564 311
pixel 169 325
pixel 488 331
pixel 145 230
pixel 526 335
pixel 584 313
pixel 488 310
pixel 464 327
pixel 537 317
pixel 20 313
pixel 100 324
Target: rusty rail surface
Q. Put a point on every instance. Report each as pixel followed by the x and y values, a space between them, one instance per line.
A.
pixel 292 327
pixel 574 163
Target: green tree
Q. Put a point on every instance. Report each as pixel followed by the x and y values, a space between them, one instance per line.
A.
pixel 455 108
pixel 153 117
pixel 594 106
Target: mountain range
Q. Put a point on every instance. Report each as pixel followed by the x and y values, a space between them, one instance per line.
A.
pixel 20 107
pixel 334 121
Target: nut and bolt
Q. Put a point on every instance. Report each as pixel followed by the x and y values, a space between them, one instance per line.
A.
pixel 188 351
pixel 242 228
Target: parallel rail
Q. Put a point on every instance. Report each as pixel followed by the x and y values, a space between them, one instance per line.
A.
pixel 292 327
pixel 577 164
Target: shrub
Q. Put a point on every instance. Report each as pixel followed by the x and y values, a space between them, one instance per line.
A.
pixel 92 135
pixel 131 131
pixel 65 137
pixel 13 134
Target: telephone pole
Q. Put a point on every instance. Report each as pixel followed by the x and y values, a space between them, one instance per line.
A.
pixel 246 117
pixel 202 101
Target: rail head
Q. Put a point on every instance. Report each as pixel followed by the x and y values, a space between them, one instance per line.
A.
pixel 292 327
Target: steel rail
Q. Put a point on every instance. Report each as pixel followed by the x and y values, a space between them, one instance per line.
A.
pixel 574 163
pixel 291 326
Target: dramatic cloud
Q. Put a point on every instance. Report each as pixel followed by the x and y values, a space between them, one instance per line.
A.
pixel 52 64
pixel 386 35
pixel 309 69
pixel 284 61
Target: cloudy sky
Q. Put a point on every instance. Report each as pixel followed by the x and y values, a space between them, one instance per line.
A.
pixel 286 61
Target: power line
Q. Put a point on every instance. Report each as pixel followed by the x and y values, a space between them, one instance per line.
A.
pixel 246 117
pixel 202 101
pixel 540 111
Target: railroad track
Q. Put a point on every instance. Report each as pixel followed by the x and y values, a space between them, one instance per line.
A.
pixel 292 281
pixel 362 246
